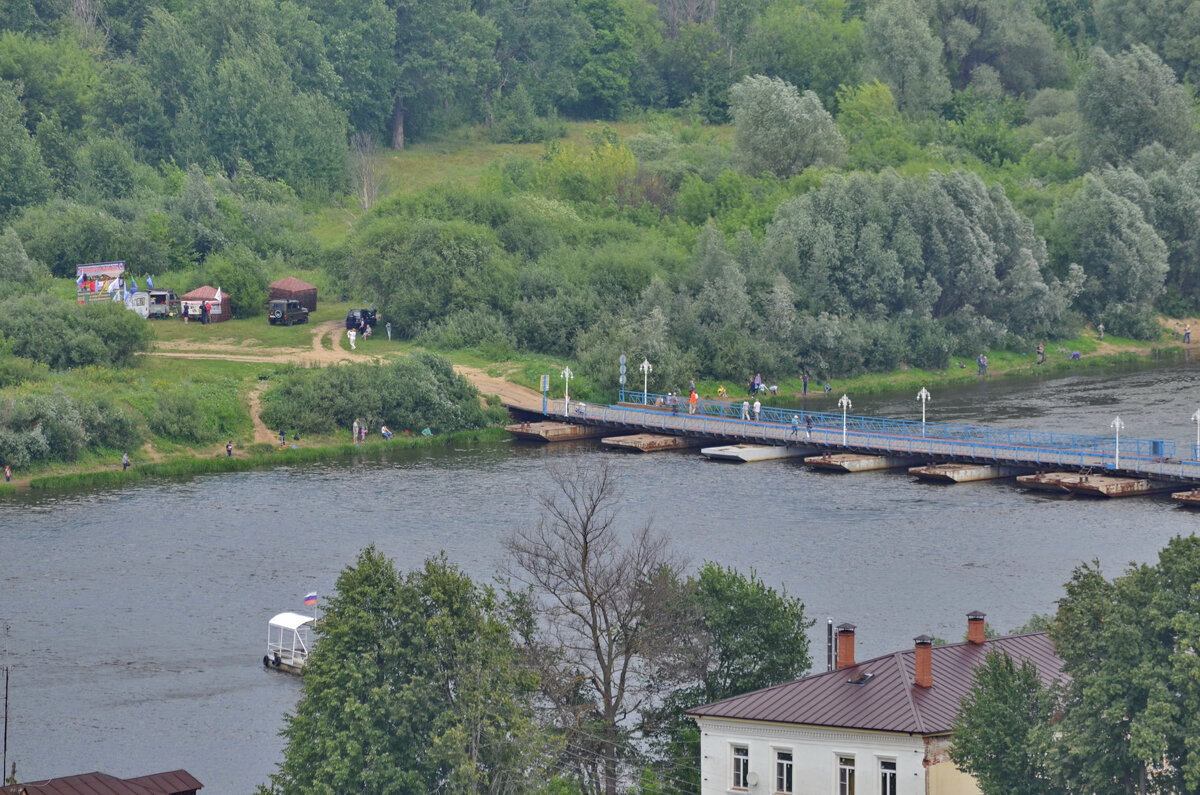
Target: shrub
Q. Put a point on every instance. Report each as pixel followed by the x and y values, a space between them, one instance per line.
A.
pixel 63 335
pixel 416 392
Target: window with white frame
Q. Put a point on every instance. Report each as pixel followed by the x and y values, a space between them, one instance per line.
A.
pixel 783 772
pixel 887 777
pixel 845 775
pixel 741 766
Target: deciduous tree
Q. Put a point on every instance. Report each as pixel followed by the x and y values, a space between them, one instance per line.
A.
pixel 903 52
pixel 780 130
pixel 598 592
pixel 1132 708
pixel 1003 732
pixel 414 687
pixel 1130 102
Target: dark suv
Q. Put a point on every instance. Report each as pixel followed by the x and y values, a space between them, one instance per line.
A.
pixel 354 314
pixel 287 312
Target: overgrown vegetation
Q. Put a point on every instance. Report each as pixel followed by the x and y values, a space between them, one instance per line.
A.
pixel 417 392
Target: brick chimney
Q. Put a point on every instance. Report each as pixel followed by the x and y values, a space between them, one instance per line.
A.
pixel 845 646
pixel 923 657
pixel 975 633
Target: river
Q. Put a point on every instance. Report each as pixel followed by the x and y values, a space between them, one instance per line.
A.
pixel 134 620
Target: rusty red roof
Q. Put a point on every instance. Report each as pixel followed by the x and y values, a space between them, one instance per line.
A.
pixel 887 700
pixel 291 283
pixel 205 293
pixel 171 783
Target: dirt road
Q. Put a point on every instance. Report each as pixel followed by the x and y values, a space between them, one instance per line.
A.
pixel 325 349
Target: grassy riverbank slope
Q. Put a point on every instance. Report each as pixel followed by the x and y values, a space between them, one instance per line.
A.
pixel 229 366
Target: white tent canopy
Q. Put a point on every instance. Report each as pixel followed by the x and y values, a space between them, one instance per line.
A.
pixel 292 621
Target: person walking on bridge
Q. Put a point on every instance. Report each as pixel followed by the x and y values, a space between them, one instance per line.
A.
pixel 796 425
pixel 757 408
pixel 745 409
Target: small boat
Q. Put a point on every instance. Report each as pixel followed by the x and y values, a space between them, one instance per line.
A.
pixel 289 642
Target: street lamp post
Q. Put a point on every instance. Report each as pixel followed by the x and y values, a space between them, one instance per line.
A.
pixel 1196 449
pixel 1118 425
pixel 923 396
pixel 645 368
pixel 567 375
pixel 845 404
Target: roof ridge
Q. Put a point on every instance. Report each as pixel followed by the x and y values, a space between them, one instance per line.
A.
pixel 917 718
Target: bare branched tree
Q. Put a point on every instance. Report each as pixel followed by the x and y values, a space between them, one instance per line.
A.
pixel 366 169
pixel 596 590
pixel 86 14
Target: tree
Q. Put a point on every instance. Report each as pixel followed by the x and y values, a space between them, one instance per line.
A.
pixel 817 47
pixel 1107 235
pixel 1130 102
pixel 1003 34
pixel 366 169
pixel 413 687
pixel 596 592
pixel 1170 28
pixel 1132 707
pixel 24 178
pixel 903 52
pixel 741 635
pixel 1003 732
pixel 780 130
pixel 444 51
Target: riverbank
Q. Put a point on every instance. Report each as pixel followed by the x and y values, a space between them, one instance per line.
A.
pixel 257 457
pixel 243 350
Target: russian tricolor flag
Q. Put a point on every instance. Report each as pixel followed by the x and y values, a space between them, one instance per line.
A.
pixel 311 599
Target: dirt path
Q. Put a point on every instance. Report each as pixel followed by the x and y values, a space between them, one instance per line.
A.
pixel 261 432
pixel 325 349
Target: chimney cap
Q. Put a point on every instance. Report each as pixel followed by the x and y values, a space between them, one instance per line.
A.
pixel 923 640
pixel 976 615
pixel 846 627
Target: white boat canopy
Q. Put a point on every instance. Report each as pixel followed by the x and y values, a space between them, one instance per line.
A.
pixel 292 621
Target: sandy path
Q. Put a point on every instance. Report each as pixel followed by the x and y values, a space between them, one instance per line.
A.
pixel 261 432
pixel 325 350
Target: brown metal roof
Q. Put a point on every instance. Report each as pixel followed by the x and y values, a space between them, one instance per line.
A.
pixel 291 283
pixel 888 700
pixel 174 782
pixel 205 293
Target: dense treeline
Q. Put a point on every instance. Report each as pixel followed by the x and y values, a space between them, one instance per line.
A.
pixel 905 181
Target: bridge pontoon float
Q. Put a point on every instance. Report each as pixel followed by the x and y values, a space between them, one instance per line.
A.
pixel 744 453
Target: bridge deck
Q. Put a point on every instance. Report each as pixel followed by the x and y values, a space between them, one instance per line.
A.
pixel 1034 450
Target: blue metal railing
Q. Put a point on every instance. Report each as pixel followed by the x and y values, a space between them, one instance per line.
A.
pixel 1156 449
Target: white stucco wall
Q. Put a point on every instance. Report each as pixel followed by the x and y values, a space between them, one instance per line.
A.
pixel 815 753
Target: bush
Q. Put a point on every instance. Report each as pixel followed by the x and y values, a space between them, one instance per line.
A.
pixel 517 121
pixel 417 392
pixel 197 413
pixel 63 335
pixel 1130 320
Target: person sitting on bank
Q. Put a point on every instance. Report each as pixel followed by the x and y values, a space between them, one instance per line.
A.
pixel 384 432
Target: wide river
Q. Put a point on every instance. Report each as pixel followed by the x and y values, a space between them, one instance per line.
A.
pixel 134 620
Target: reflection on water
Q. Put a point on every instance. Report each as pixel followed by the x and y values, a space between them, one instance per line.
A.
pixel 134 620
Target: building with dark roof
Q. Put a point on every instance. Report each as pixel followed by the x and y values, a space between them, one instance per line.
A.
pixel 174 782
pixel 879 727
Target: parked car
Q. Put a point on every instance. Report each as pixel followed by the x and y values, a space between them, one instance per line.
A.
pixel 354 314
pixel 287 312
pixel 163 303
